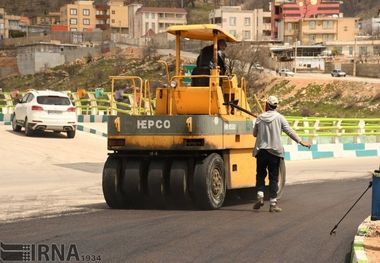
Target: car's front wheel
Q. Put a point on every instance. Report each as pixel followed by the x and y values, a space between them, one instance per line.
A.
pixel 15 126
pixel 71 134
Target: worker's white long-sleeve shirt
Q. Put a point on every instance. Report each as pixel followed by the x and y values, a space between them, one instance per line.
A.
pixel 267 130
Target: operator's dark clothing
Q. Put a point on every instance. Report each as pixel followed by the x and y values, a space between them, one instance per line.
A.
pixel 205 59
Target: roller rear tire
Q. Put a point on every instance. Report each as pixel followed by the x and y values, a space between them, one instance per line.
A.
pixel 113 195
pixel 209 182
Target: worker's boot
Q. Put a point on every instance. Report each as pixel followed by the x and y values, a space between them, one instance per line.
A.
pixel 260 200
pixel 273 207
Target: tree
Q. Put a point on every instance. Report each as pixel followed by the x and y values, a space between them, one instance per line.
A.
pixel 242 57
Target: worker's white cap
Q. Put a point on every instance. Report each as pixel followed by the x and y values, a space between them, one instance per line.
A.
pixel 272 100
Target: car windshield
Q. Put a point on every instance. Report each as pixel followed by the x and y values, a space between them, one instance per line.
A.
pixel 53 100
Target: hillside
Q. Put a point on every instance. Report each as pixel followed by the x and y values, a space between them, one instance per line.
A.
pixel 324 98
pixel 300 97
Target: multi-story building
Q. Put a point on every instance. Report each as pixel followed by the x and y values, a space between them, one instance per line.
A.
pixel 2 23
pixel 102 16
pixel 310 31
pixel 79 16
pixel 153 20
pixel 287 13
pixel 52 18
pixel 118 17
pixel 247 25
pixel 371 26
pixel 13 26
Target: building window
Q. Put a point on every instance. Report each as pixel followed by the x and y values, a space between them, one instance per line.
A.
pixel 73 21
pixel 232 21
pixel 290 26
pixel 345 28
pixel 326 37
pixel 113 21
pixel 153 15
pixel 86 21
pixel 146 27
pixel 311 24
pixel 363 51
pixel 233 32
pixel 147 15
pixel 86 12
pixel 311 38
pixel 113 12
pixel 179 16
pixel 73 29
pixel 376 50
pixel 73 11
pixel 154 27
pixel 246 34
pixel 247 21
pixel 351 51
pixel 161 25
pixel 327 24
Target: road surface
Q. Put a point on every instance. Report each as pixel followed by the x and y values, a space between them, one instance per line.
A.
pixel 53 184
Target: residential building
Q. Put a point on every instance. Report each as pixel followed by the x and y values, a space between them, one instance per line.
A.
pixel 286 13
pixel 153 20
pixel 2 24
pixel 310 31
pixel 102 16
pixel 52 18
pixel 246 25
pixel 118 17
pixel 371 26
pixel 79 16
pixel 361 47
pixel 12 26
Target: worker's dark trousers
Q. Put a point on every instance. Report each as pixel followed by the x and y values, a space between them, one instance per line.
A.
pixel 264 161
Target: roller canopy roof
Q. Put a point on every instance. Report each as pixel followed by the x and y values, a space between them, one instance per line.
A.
pixel 201 32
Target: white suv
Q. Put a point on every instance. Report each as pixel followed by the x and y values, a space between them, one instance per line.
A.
pixel 45 110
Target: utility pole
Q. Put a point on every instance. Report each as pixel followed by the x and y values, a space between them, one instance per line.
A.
pixel 354 53
pixel 295 57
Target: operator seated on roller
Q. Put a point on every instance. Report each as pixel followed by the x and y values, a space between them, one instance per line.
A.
pixel 205 63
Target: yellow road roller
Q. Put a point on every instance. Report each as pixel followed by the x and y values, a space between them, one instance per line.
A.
pixel 196 145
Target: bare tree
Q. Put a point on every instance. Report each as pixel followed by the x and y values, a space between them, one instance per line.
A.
pixel 242 57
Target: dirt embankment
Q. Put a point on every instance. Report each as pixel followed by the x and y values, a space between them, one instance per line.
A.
pixel 330 98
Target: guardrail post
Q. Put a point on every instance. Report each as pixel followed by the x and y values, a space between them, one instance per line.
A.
pixel 93 104
pixel 77 103
pixel 9 103
pixel 315 133
pixel 375 211
pixel 338 133
pixel 295 126
pixel 360 131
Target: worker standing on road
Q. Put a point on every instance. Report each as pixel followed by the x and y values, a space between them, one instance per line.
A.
pixel 269 151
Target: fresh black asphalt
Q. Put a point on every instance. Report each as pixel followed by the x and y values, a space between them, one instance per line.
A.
pixel 234 233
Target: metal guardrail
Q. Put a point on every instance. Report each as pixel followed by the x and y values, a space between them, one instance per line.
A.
pixel 315 128
pixel 312 128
